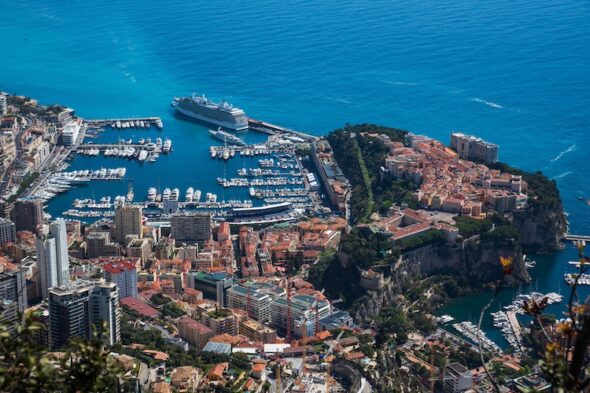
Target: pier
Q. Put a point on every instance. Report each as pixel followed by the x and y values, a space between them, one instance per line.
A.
pixel 576 238
pixel 125 123
pixel 273 129
pixel 515 326
pixel 103 146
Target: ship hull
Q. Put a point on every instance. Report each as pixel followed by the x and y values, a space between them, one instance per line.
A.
pixel 206 119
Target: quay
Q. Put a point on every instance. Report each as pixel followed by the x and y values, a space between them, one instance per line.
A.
pixel 576 238
pixel 132 122
pixel 273 129
pixel 103 146
pixel 514 325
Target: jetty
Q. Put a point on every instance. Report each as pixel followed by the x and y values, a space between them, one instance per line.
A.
pixel 124 123
pixel 273 129
pixel 103 146
pixel 576 238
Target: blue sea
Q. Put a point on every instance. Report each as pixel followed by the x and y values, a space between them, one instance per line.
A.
pixel 513 72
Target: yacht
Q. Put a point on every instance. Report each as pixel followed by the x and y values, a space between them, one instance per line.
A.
pixel 151 194
pixel 197 196
pixel 166 194
pixel 167 146
pixel 175 194
pixel 189 194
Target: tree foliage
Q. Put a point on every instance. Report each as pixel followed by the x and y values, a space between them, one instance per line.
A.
pixel 26 366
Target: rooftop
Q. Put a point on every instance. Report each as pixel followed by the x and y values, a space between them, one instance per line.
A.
pixel 140 307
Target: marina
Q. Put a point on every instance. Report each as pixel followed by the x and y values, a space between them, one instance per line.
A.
pixel 61 182
pixel 583 279
pixel 469 330
pixel 507 322
pixel 143 150
pixel 518 302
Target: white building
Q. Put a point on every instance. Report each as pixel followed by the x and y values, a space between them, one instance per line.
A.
pixel 70 133
pixel 52 257
pixel 3 104
pixel 124 274
pixel 256 303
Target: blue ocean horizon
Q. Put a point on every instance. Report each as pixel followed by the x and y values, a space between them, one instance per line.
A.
pixel 513 72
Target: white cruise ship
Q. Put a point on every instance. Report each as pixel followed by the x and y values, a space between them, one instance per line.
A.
pixel 221 114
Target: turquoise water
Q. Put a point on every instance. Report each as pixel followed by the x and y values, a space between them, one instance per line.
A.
pixel 514 72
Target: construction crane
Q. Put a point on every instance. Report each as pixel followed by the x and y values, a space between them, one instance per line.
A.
pixel 329 360
pixel 249 300
pixel 303 322
pixel 278 387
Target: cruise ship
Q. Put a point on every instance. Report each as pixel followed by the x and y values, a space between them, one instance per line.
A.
pixel 221 114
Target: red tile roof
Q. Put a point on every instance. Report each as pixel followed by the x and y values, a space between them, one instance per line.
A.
pixel 118 267
pixel 140 307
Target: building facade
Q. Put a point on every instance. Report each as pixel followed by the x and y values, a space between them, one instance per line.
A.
pixel 302 315
pixel 79 308
pixel 98 244
pixel 27 214
pixel 472 148
pixel 124 275
pixel 191 227
pixel 13 295
pixel 213 285
pixel 7 231
pixel 128 221
pixel 255 302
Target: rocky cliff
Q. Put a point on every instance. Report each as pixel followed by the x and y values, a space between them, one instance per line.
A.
pixel 478 260
pixel 540 229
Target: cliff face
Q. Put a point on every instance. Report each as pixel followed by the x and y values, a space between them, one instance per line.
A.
pixel 479 261
pixel 476 260
pixel 540 229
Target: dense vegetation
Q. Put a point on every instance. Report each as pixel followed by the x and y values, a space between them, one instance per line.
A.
pixel 543 192
pixel 469 226
pixel 430 237
pixel 26 366
pixel 339 273
pixel 361 160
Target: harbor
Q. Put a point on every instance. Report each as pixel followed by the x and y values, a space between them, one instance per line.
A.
pixel 142 150
pixel 60 182
pixel 470 331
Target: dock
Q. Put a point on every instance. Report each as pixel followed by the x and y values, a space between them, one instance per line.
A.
pixel 104 146
pixel 126 123
pixel 273 129
pixel 576 238
pixel 514 325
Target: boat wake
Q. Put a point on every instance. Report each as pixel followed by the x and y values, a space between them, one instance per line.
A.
pixel 488 103
pixel 400 83
pixel 564 174
pixel 563 153
pixel 341 100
